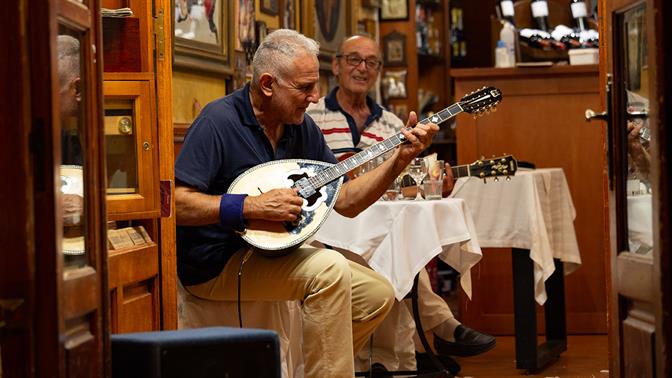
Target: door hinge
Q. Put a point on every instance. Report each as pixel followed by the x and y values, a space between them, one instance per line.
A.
pixel 160 37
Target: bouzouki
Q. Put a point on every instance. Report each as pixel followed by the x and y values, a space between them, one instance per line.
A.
pixel 319 182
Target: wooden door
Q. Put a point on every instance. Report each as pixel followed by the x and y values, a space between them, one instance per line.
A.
pixel 633 65
pixel 53 283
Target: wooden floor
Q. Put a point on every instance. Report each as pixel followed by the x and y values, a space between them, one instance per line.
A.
pixel 586 356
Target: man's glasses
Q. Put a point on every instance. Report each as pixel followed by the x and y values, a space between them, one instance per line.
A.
pixel 355 60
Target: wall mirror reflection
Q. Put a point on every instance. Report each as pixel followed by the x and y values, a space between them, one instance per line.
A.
pixel 71 89
pixel 638 186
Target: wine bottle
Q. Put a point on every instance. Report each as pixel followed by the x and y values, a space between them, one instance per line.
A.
pixel 540 14
pixel 506 11
pixel 580 14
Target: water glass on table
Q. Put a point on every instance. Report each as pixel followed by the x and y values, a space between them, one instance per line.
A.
pixel 394 191
pixel 418 170
pixel 433 184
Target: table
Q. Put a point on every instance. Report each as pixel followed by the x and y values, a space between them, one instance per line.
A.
pixel 533 214
pixel 398 238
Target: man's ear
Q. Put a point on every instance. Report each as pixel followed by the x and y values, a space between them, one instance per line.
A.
pixel 76 85
pixel 266 83
pixel 335 66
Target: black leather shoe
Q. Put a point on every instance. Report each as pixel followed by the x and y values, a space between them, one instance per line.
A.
pixel 378 370
pixel 468 342
pixel 424 363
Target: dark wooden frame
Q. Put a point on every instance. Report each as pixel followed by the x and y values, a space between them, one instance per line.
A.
pixel 273 8
pixel 328 49
pixel 205 57
pixel 387 17
pixel 389 41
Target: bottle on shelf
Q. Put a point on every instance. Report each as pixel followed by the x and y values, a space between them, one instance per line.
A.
pixel 541 37
pixel 580 14
pixel 507 37
pixel 540 14
pixel 506 11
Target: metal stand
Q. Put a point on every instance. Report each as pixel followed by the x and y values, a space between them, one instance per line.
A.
pixel 529 356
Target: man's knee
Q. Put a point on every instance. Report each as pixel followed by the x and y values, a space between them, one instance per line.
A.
pixel 379 296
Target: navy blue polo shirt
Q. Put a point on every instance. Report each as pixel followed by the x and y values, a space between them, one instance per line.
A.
pixel 223 142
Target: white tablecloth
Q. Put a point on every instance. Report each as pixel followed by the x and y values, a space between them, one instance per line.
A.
pixel 532 211
pixel 398 238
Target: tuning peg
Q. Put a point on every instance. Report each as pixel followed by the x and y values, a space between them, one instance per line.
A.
pixel 508 178
pixel 502 160
pixel 496 179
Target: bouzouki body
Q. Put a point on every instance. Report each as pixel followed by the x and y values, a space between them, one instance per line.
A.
pixel 285 236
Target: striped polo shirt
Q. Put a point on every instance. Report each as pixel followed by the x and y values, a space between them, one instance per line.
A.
pixel 340 130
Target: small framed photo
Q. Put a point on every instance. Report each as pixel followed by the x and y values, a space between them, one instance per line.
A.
pixel 270 7
pixel 393 84
pixel 202 37
pixel 393 10
pixel 394 50
pixel 371 3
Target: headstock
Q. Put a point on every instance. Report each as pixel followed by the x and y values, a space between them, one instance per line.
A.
pixel 494 167
pixel 481 101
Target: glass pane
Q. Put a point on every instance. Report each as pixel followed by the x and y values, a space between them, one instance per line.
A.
pixel 120 137
pixel 72 97
pixel 638 187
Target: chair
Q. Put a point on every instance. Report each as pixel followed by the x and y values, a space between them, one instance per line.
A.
pixel 281 317
pixel 196 353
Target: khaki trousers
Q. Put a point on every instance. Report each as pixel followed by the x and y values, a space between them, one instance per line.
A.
pixel 343 302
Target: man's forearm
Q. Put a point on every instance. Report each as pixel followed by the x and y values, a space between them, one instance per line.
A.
pixel 193 208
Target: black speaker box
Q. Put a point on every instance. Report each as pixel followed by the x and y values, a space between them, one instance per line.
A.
pixel 195 353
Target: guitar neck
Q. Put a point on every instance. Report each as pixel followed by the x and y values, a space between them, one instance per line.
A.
pixel 330 174
pixel 460 171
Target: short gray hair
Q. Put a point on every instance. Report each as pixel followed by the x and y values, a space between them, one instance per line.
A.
pixel 68 58
pixel 276 51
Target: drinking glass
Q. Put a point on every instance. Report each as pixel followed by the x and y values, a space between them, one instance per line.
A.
pixel 417 170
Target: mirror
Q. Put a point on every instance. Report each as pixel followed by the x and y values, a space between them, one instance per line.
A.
pixel 637 135
pixel 71 87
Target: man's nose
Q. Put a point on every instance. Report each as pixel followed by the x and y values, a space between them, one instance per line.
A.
pixel 314 95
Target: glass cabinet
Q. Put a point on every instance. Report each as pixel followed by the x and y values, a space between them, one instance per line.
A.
pixel 130 142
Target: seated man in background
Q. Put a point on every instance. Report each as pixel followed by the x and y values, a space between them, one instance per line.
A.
pixel 342 302
pixel 352 121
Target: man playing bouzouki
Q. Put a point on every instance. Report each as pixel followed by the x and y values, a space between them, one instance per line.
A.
pixel 342 301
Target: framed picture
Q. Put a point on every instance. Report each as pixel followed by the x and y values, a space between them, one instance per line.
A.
pixel 202 36
pixel 328 22
pixel 394 84
pixel 393 10
pixel 269 7
pixel 261 30
pixel 394 50
pixel 371 3
pixel 288 15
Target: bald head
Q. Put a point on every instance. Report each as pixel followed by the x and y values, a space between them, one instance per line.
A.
pixel 354 42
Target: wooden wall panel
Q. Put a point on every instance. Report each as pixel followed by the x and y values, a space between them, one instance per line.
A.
pixel 541 120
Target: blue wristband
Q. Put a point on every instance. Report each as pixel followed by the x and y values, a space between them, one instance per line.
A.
pixel 231 211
